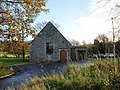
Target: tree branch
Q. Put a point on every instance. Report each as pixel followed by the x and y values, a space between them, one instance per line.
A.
pixel 12 1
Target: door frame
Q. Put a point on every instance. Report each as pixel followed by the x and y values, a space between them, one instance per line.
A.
pixel 66 51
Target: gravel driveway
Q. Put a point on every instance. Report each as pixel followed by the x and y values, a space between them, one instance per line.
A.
pixel 27 72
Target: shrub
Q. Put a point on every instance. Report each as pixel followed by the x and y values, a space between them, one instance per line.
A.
pixel 5 55
pixel 0 64
pixel 100 76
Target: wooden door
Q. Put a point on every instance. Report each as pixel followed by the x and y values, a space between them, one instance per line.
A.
pixel 63 55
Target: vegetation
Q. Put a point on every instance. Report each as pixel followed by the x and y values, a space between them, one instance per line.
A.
pixel 5 71
pixel 15 23
pixel 100 76
pixel 102 45
pixel 14 48
pixel 13 61
pixel 5 62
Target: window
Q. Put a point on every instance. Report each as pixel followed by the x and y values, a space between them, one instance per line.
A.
pixel 49 48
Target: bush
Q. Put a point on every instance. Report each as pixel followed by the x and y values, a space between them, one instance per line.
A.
pixel 0 64
pixel 5 55
pixel 97 77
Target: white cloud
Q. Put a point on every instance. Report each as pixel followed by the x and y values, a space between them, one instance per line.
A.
pixel 87 28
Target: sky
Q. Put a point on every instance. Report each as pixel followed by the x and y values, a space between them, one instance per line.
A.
pixel 80 20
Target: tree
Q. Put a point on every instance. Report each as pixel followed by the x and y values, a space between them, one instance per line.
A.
pixel 101 43
pixel 74 42
pixel 96 46
pixel 16 22
pixel 117 48
pixel 19 16
pixel 13 47
pixel 113 7
pixel 40 25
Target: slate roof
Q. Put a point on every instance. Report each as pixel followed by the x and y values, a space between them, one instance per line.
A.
pixel 49 23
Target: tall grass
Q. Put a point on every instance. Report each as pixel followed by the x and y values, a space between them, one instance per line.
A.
pixel 100 76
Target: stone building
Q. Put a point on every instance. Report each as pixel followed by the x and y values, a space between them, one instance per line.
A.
pixel 78 53
pixel 51 45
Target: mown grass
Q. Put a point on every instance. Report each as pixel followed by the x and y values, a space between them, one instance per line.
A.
pixel 100 76
pixel 13 61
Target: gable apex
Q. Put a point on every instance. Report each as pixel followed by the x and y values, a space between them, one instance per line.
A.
pixel 50 27
pixel 48 24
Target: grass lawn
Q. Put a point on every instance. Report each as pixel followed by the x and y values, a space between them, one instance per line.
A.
pixel 13 61
pixel 5 71
pixel 8 62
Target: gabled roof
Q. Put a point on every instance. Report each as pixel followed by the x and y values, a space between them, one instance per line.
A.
pixel 49 23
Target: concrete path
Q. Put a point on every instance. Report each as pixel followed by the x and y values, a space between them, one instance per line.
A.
pixel 27 72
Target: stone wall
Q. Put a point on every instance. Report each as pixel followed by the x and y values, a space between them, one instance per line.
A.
pixel 38 45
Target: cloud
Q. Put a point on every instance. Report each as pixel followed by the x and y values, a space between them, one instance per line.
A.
pixel 87 28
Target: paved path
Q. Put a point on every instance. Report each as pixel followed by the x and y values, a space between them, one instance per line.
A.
pixel 29 71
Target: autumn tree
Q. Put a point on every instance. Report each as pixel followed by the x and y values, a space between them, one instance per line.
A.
pixel 13 47
pixel 15 24
pixel 19 16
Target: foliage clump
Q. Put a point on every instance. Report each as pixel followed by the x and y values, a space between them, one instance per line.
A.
pixel 100 76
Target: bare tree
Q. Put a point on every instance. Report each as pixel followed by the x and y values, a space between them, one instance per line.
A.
pixel 74 42
pixel 40 25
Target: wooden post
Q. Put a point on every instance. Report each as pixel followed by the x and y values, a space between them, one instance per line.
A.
pixel 114 47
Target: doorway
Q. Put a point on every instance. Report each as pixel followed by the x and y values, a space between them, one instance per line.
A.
pixel 63 55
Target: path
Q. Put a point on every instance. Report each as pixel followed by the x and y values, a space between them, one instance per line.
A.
pixel 29 71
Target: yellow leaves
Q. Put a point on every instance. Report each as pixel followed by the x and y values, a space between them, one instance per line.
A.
pixel 8 20
pixel 42 2
pixel 18 20
pixel 29 1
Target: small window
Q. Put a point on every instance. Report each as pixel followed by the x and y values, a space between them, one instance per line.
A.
pixel 49 48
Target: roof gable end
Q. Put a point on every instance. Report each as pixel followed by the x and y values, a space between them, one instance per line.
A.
pixel 49 24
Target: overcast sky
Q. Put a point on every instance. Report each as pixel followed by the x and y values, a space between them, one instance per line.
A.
pixel 78 19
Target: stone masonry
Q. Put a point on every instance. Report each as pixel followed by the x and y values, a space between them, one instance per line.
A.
pixel 49 34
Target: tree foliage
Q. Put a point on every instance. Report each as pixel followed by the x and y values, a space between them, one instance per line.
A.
pixel 15 23
pixel 101 44
pixel 14 47
pixel 19 16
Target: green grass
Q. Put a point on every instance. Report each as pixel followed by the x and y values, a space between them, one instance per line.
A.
pixel 100 76
pixel 5 54
pixel 4 62
pixel 5 71
pixel 13 61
